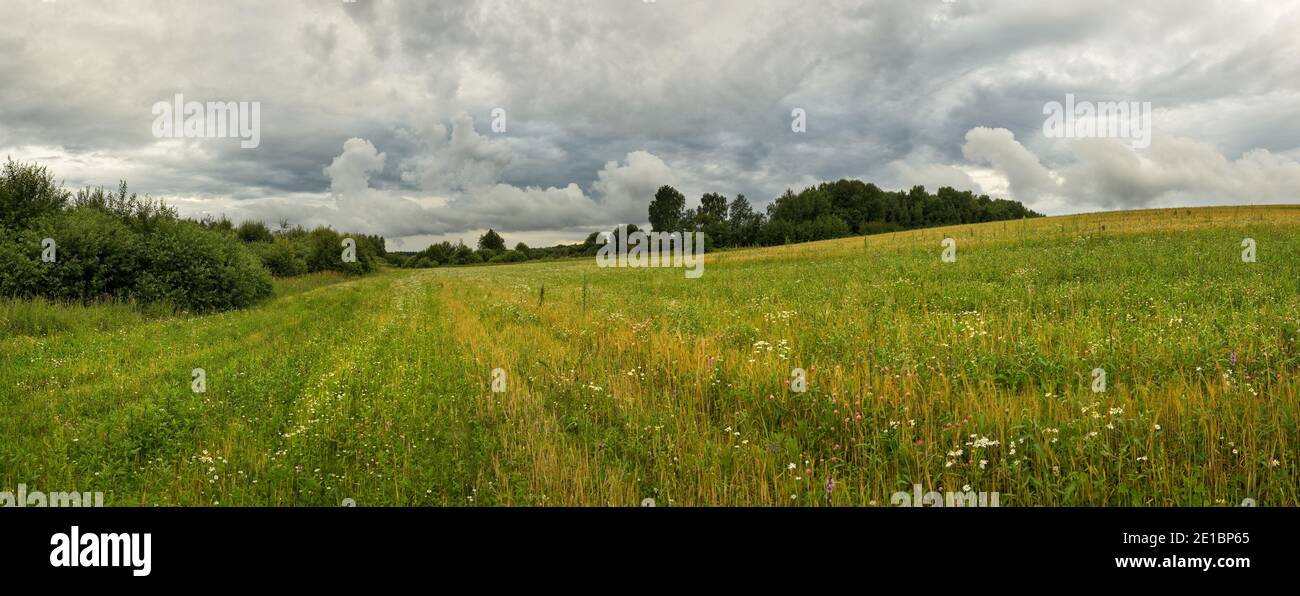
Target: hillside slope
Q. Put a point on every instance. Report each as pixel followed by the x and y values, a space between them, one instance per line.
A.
pixel 626 384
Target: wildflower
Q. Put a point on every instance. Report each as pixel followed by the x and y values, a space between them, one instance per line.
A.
pixel 1275 463
pixel 790 466
pixel 1157 427
pixel 830 486
pixel 984 442
pixel 965 488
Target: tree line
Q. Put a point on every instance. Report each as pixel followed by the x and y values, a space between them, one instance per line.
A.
pixel 828 210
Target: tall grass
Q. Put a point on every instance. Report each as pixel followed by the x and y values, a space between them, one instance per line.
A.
pixel 624 384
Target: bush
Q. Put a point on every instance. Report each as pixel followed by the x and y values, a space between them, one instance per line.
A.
pixel 200 269
pixel 96 256
pixel 254 231
pixel 21 271
pixel 281 257
pixel 325 252
pixel 509 256
pixel 28 192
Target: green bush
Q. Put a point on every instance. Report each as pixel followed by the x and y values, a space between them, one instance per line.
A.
pixel 200 269
pixel 509 256
pixel 281 257
pixel 97 255
pixel 115 245
pixel 325 252
pixel 21 272
pixel 27 192
pixel 254 231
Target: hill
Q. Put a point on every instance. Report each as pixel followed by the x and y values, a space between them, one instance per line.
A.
pixel 627 384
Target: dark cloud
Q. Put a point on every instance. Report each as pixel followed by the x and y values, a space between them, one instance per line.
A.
pixel 376 115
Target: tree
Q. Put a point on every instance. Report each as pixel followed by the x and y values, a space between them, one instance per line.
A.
pixel 492 241
pixel 254 231
pixel 743 223
pixel 711 218
pixel 667 210
pixel 27 192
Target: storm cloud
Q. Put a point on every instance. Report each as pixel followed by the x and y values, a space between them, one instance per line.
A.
pixel 550 119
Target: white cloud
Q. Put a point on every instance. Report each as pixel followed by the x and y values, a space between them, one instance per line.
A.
pixel 1109 173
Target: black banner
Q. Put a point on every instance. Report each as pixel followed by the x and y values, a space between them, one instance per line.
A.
pixel 319 546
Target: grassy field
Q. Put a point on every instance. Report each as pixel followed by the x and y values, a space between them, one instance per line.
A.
pixel 624 384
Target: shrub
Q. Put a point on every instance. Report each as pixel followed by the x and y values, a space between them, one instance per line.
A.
pixel 325 252
pixel 21 271
pixel 509 256
pixel 97 256
pixel 281 257
pixel 200 269
pixel 27 192
pixel 254 231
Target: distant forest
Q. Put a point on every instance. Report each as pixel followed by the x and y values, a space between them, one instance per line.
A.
pixel 828 210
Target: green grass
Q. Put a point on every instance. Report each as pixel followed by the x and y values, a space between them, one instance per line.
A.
pixel 654 385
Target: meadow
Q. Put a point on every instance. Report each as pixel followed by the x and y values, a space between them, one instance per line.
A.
pixel 628 384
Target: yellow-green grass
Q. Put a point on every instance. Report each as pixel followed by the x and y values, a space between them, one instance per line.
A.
pixel 623 384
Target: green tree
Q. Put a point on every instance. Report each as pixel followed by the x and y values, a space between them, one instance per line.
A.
pixel 492 241
pixel 743 223
pixel 711 218
pixel 28 191
pixel 667 210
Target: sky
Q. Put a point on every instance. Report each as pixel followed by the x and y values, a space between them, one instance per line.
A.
pixel 546 120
